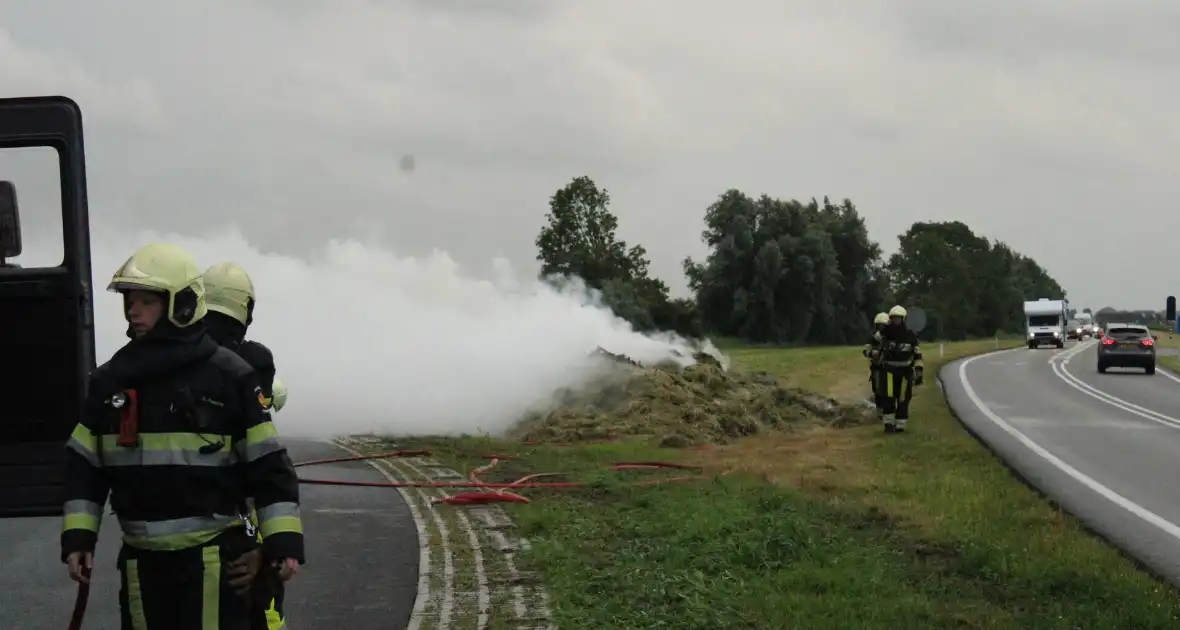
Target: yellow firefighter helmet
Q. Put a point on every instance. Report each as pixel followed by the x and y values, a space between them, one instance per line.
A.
pixel 168 269
pixel 229 291
pixel 280 395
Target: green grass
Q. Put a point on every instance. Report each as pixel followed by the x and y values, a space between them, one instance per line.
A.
pixel 840 371
pixel 821 529
pixel 1167 340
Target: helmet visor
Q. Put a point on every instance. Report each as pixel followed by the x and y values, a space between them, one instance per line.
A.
pixel 120 285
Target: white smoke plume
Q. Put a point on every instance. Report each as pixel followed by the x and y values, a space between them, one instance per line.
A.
pixel 368 341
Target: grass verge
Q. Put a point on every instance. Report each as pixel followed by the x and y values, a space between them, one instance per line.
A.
pixel 1167 342
pixel 824 528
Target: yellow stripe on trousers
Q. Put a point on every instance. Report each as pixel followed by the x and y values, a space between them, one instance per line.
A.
pixel 210 598
pixel 135 597
pixel 211 601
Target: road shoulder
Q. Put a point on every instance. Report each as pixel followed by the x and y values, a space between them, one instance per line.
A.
pixel 469 574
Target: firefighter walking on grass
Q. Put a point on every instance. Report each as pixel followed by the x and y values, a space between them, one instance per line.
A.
pixel 175 431
pixel 901 369
pixel 872 352
pixel 229 293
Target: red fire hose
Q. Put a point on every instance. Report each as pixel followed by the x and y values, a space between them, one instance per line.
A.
pixel 498 489
pixel 494 492
pixel 80 602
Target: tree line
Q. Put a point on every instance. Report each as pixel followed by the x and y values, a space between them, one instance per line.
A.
pixel 793 272
pixel 1109 315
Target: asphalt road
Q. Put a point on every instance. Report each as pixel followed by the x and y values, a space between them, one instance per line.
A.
pixel 361 572
pixel 1103 446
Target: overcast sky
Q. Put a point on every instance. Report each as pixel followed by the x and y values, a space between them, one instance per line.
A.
pixel 1050 125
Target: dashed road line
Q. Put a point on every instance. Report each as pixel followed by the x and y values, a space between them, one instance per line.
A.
pixel 481 581
pixel 447 605
pixel 483 597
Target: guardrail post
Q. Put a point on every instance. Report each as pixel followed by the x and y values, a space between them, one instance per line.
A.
pixel 941 350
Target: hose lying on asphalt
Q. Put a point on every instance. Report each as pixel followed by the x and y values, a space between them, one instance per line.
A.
pixel 493 491
pixel 80 604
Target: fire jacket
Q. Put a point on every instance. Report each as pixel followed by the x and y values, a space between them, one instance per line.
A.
pixel 176 433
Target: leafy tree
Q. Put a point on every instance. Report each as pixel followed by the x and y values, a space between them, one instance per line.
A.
pixel 1108 315
pixel 786 272
pixel 858 257
pixel 579 240
pixel 931 269
pixel 969 286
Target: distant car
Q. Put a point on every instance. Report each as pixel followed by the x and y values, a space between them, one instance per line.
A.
pixel 1127 346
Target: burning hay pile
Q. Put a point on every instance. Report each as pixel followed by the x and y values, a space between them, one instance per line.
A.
pixel 701 403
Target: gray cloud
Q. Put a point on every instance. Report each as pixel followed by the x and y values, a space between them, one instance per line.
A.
pixel 1047 125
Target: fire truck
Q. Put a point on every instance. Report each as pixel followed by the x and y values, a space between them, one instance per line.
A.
pixel 46 316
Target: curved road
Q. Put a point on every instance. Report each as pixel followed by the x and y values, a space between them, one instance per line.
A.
pixel 1106 447
pixel 361 572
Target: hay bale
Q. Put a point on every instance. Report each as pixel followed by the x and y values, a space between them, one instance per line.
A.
pixel 702 403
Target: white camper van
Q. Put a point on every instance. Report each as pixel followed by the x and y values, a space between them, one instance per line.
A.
pixel 1045 322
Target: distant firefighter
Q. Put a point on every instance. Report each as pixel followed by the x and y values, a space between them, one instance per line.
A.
pixel 901 369
pixel 872 352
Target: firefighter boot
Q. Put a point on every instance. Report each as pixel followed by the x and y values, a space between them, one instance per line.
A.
pixel 890 426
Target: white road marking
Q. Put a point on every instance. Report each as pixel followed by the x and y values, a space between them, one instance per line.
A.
pixel 529 599
pixel 343 511
pixel 1073 381
pixel 447 608
pixel 1159 522
pixel 484 596
pixel 423 538
pixel 446 605
pixel 1168 373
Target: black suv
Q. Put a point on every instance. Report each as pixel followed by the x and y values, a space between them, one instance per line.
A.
pixel 1127 345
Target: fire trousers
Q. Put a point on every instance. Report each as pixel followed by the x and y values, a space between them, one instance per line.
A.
pixel 874 381
pixel 186 589
pixel 894 390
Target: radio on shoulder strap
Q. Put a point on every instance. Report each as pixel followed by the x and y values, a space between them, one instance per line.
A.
pixel 127 402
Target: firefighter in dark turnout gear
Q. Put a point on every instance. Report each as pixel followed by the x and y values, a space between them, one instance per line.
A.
pixel 175 431
pixel 229 294
pixel 872 352
pixel 901 370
